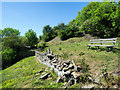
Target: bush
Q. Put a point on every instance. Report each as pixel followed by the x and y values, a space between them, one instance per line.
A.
pixel 8 57
pixel 38 45
pixel 99 19
pixel 81 53
pixel 62 34
pixel 60 48
pixel 41 46
pixel 85 66
pixel 32 37
pixel 69 32
pixel 48 33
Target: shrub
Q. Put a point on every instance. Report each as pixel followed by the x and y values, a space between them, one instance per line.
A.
pixel 41 46
pixel 60 48
pixel 8 57
pixel 48 33
pixel 85 66
pixel 81 53
pixel 99 19
pixel 38 45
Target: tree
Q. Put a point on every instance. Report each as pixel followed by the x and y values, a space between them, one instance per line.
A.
pixel 32 37
pixel 8 57
pixel 99 19
pixel 48 33
pixel 40 37
pixel 13 47
pixel 14 42
pixel 9 31
pixel 11 39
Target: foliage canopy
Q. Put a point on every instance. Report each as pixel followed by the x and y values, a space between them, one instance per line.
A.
pixel 32 37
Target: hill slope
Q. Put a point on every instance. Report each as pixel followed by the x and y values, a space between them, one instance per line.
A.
pixel 76 49
pixel 24 74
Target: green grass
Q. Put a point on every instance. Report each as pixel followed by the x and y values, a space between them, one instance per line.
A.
pixel 23 75
pixel 76 49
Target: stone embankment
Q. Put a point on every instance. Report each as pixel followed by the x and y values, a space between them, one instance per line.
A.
pixel 66 70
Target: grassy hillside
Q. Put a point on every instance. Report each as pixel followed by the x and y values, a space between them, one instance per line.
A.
pixel 76 49
pixel 24 74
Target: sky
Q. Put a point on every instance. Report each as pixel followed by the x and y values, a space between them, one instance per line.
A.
pixel 35 15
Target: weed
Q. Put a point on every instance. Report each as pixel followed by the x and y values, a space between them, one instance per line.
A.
pixel 85 66
pixel 76 85
pixel 71 54
pixel 64 55
pixel 81 53
pixel 60 48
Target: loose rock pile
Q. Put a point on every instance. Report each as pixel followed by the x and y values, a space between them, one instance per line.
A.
pixel 66 70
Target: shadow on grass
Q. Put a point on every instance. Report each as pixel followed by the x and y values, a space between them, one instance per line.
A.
pixel 23 53
pixel 114 50
pixel 41 48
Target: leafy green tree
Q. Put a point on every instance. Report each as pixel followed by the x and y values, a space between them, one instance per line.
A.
pixel 13 46
pixel 99 19
pixel 40 37
pixel 58 28
pixel 9 31
pixel 72 23
pixel 48 33
pixel 61 26
pixel 32 37
pixel 8 57
pixel 24 41
pixel 11 39
pixel 62 34
pixel 69 31
pixel 14 42
pixel 118 18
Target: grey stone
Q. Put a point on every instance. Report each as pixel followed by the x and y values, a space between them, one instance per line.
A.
pixel 40 71
pixel 59 79
pixel 55 61
pixel 44 76
pixel 67 62
pixel 60 69
pixel 71 66
pixel 65 69
pixel 74 65
pixel 79 68
pixel 75 74
pixel 70 82
pixel 68 72
pixel 88 86
pixel 64 64
pixel 96 81
pixel 48 50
